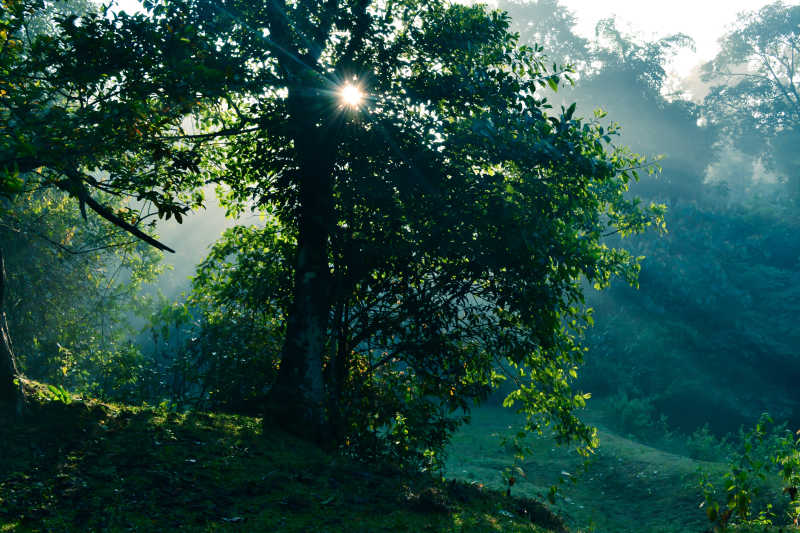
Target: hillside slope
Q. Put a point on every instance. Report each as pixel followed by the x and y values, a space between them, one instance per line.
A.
pixel 626 486
pixel 86 466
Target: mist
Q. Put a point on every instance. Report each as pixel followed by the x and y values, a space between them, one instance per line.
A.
pixel 192 239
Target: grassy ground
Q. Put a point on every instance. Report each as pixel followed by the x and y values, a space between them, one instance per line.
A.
pixel 87 466
pixel 628 487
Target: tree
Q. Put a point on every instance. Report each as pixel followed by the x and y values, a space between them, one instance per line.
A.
pixel 69 120
pixel 756 97
pixel 448 199
pixel 629 82
pixel 626 76
pixel 9 391
pixel 443 219
pixel 552 26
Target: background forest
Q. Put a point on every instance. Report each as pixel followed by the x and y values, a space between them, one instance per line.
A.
pixel 692 339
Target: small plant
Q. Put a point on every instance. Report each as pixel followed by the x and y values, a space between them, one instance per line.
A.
pixel 59 394
pixel 516 445
pixel 510 476
pixel 705 446
pixel 789 461
pixel 638 417
pixel 743 500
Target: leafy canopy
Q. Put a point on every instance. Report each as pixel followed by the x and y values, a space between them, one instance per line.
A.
pixel 443 229
pixel 83 110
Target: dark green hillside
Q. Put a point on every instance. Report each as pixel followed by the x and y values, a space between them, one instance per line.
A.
pixel 76 465
pixel 627 487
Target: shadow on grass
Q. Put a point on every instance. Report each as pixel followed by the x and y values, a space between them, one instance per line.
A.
pixel 88 466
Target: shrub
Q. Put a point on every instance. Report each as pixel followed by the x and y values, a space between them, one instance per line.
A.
pixel 762 478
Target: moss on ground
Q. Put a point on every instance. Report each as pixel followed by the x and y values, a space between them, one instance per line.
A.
pixel 89 466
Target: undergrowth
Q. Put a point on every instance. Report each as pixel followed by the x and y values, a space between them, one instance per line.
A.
pixel 82 465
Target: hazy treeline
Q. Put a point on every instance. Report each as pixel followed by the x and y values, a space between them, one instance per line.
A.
pixel 710 336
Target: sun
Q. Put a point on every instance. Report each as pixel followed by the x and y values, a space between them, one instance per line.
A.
pixel 351 95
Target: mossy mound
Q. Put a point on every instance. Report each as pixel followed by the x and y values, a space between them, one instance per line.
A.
pixel 74 465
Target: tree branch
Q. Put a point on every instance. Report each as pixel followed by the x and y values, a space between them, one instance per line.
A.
pixel 74 186
pixel 227 132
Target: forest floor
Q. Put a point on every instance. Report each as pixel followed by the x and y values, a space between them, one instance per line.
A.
pixel 88 466
pixel 625 487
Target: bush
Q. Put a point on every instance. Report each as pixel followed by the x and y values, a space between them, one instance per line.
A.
pixel 704 445
pixel 763 478
pixel 638 417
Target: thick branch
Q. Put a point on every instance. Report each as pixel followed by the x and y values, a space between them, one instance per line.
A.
pixel 74 186
pixel 280 35
pixel 227 132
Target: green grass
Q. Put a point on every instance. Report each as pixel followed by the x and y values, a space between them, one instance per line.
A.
pixel 627 487
pixel 88 466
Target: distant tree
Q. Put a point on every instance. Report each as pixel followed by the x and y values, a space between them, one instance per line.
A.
pixel 551 25
pixel 756 97
pixel 629 80
pixel 627 77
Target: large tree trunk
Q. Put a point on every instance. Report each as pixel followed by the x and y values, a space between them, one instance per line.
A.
pixel 297 400
pixel 336 375
pixel 10 392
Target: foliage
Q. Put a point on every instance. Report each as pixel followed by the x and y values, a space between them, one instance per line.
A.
pixel 638 416
pixel 239 297
pixel 78 113
pixel 768 458
pixel 788 460
pixel 718 295
pixel 704 445
pixel 59 394
pixel 73 287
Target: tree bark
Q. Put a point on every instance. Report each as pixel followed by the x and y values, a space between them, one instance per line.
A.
pixel 10 390
pixel 336 374
pixel 297 400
